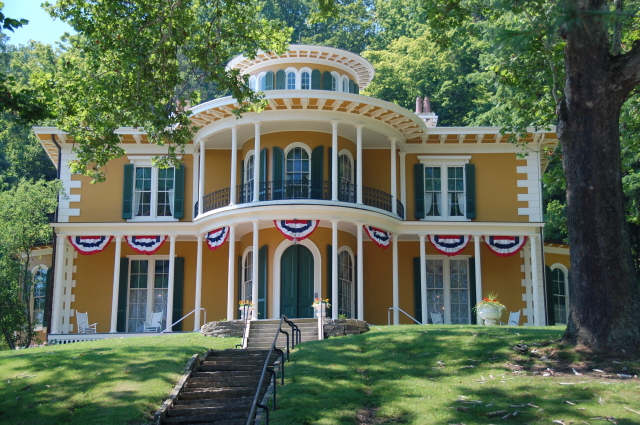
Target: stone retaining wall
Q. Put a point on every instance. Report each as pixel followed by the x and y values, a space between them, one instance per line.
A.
pixel 342 327
pixel 223 329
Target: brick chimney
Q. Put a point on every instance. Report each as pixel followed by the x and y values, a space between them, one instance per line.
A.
pixel 423 110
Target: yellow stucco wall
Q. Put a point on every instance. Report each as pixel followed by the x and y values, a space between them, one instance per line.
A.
pixel 554 258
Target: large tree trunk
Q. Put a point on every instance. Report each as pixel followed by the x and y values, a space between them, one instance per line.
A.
pixel 604 297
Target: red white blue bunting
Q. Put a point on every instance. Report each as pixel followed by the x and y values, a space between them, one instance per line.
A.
pixel 216 238
pixel 505 246
pixel 145 244
pixel 449 245
pixel 381 237
pixel 89 245
pixel 296 230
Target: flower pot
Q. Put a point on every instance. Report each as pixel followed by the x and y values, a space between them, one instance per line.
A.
pixel 321 310
pixel 246 310
pixel 490 314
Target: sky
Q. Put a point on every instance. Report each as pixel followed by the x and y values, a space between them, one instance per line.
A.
pixel 41 26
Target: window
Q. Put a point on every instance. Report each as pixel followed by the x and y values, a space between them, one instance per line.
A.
pixel 249 168
pixel 247 276
pixel 252 83
pixel 153 193
pixel 346 290
pixel 444 187
pixel 448 289
pixel 148 291
pixel 39 294
pixel 560 295
pixel 297 173
pixel 306 81
pixel 345 84
pixel 291 81
pixel 263 82
pixel 345 177
pixel 334 81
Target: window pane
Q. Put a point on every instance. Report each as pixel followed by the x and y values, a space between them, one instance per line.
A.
pixel 291 81
pixel 306 81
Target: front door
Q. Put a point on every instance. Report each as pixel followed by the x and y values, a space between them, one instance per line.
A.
pixel 296 285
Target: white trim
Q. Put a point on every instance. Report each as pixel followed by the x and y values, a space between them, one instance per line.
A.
pixel 354 313
pixel 444 162
pixel 277 272
pixel 435 160
pixel 564 269
pixel 296 80
pixel 446 278
pixel 350 156
pixel 308 70
pixel 242 276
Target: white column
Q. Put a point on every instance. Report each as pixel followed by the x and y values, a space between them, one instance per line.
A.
pixel 393 176
pixel 403 180
pixel 234 166
pixel 477 240
pixel 256 167
pixel 396 289
pixel 256 266
pixel 334 160
pixel 203 151
pixel 231 273
pixel 334 269
pixel 423 279
pixel 359 163
pixel 198 303
pixel 116 285
pixel 360 273
pixel 57 288
pixel 172 275
pixel 534 279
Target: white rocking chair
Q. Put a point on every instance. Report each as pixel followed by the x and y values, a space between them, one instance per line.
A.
pixel 436 319
pixel 83 323
pixel 514 319
pixel 156 323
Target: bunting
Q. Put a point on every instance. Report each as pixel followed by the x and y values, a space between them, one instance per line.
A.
pixel 449 245
pixel 216 238
pixel 89 245
pixel 145 244
pixel 296 230
pixel 381 237
pixel 505 246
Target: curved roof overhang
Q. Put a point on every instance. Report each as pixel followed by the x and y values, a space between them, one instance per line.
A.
pixel 360 68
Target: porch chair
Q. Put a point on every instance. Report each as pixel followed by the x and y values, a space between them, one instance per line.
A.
pixel 436 318
pixel 83 323
pixel 514 319
pixel 156 323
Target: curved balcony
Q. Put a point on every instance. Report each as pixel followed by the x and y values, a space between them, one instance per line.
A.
pixel 300 189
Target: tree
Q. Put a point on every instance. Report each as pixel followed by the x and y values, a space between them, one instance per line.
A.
pixel 595 42
pixel 25 211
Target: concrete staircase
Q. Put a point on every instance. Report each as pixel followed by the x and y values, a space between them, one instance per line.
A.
pixel 220 389
pixel 262 332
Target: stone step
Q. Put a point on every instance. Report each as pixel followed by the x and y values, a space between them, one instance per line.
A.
pixel 209 393
pixel 203 419
pixel 228 412
pixel 238 401
pixel 231 367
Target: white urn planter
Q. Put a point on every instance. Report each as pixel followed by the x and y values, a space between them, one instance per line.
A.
pixel 246 310
pixel 490 314
pixel 321 310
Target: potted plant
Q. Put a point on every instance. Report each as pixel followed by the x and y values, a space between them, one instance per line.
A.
pixel 246 309
pixel 490 309
pixel 320 306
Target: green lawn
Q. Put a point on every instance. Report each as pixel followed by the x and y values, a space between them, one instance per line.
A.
pixel 454 375
pixel 114 381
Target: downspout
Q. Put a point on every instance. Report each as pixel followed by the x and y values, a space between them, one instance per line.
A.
pixel 55 245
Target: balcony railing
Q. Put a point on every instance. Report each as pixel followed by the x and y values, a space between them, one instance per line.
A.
pixel 300 189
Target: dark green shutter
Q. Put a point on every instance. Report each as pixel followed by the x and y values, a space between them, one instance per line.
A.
pixel 178 289
pixel 263 175
pixel 317 175
pixel 417 290
pixel 329 291
pixel 316 80
pixel 239 280
pixel 472 289
pixel 327 81
pixel 262 282
pixel 127 192
pixel 121 324
pixel 548 285
pixel 269 81
pixel 357 89
pixel 418 189
pixel 48 292
pixel 280 80
pixel 351 87
pixel 278 173
pixel 178 193
pixel 470 183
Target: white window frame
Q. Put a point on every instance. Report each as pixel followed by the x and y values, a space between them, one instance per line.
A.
pixel 150 283
pixel 344 84
pixel 566 285
pixel 259 81
pixel 247 280
pixel 446 278
pixel 444 162
pixel 302 70
pixel 146 162
pixel 297 78
pixel 335 81
pixel 32 301
pixel 352 307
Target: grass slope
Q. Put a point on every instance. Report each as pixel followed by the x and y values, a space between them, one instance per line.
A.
pixel 114 381
pixel 455 375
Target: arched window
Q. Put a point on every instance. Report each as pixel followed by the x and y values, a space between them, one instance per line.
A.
pixel 262 78
pixel 247 276
pixel 346 289
pixel 306 81
pixel 560 295
pixel 249 174
pixel 345 84
pixel 345 177
pixel 39 295
pixel 335 81
pixel 291 80
pixel 297 172
pixel 252 82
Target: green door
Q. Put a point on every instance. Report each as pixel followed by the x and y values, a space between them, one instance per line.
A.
pixel 296 286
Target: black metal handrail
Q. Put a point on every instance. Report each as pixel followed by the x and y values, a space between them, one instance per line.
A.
pixel 256 403
pixel 296 334
pixel 301 189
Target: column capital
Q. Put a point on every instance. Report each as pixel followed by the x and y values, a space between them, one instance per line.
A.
pixel 422 237
pixel 476 238
pixel 335 220
pixel 402 154
pixel 358 126
pixel 533 236
pixel 173 238
pixel 393 140
pixel 334 123
pixel 200 237
pixel 359 225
